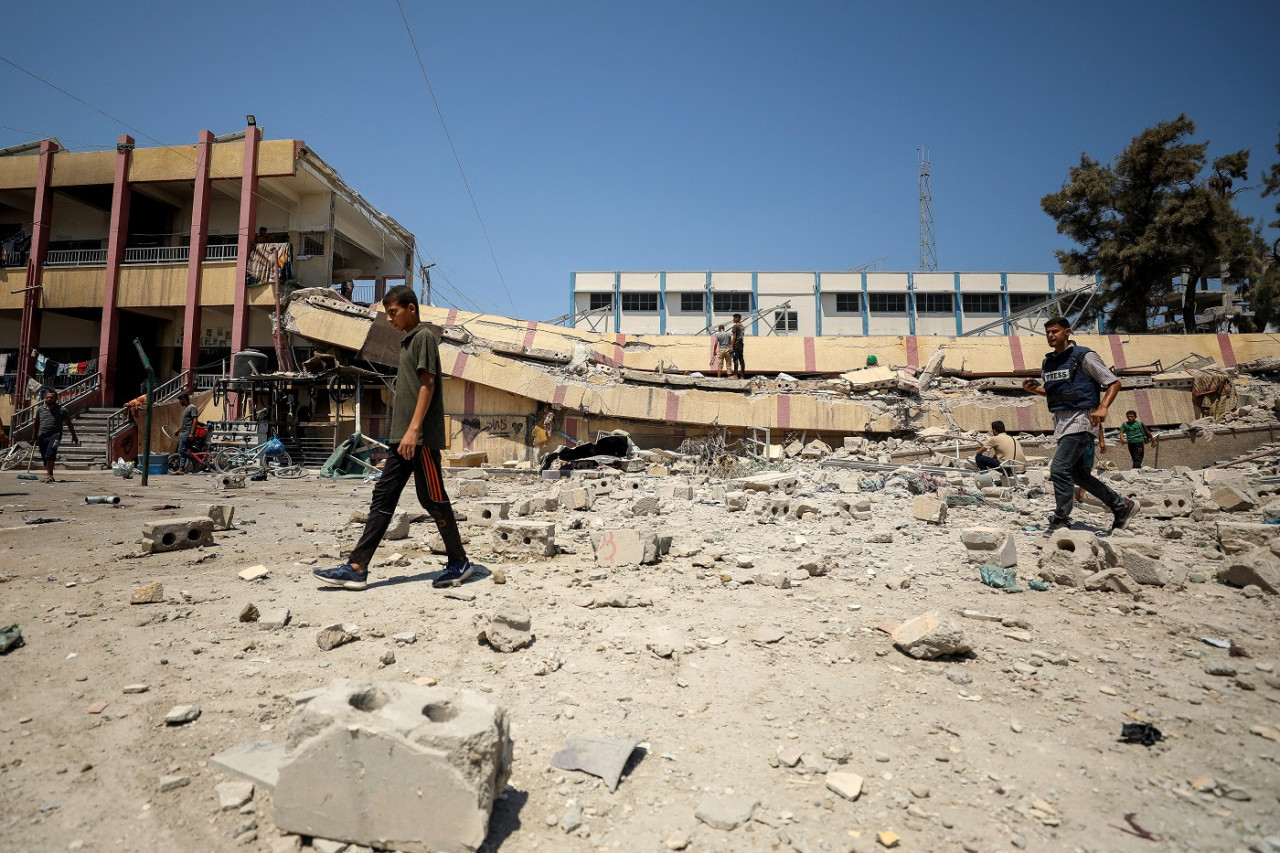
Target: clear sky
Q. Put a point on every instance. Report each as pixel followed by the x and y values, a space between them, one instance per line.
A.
pixel 658 135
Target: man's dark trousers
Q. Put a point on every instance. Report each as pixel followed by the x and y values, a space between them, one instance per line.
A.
pixel 424 467
pixel 1067 470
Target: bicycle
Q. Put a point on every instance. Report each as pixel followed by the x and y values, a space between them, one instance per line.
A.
pixel 15 454
pixel 269 457
pixel 197 448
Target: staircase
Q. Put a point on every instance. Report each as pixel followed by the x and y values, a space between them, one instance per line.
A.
pixel 91 429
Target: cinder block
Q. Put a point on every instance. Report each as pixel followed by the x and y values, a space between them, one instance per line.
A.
pixel 177 533
pixel 1166 504
pixel 625 547
pixel 774 510
pixel 394 765
pixel 229 481
pixel 990 545
pixel 576 499
pixel 524 537
pixel 1070 557
pixel 489 513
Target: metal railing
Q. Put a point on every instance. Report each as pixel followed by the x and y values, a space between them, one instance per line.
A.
pixel 222 252
pixel 75 258
pixel 14 259
pixel 69 398
pixel 157 255
pixel 208 381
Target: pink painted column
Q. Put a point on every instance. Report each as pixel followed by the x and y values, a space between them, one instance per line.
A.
pixel 117 235
pixel 29 334
pixel 248 225
pixel 195 262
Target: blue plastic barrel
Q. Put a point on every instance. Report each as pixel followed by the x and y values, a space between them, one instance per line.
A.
pixel 157 463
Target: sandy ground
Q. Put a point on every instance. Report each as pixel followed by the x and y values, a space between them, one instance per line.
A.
pixel 1014 747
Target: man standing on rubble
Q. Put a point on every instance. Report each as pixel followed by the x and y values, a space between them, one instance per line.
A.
pixel 739 366
pixel 1080 389
pixel 417 435
pixel 721 343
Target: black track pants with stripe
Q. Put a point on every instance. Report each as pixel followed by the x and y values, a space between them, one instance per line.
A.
pixel 424 467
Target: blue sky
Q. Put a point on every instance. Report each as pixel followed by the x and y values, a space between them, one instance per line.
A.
pixel 657 135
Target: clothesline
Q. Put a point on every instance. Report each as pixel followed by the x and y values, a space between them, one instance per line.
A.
pixel 44 364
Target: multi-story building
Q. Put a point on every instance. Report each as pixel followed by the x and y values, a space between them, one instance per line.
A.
pixel 187 249
pixel 810 303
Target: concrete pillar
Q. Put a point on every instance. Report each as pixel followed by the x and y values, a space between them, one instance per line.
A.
pixel 247 227
pixel 42 214
pixel 117 236
pixel 379 288
pixel 199 242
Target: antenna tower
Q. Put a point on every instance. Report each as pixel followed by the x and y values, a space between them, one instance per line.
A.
pixel 928 251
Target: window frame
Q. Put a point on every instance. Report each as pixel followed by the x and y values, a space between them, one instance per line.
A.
pixel 640 302
pixel 789 317
pixel 857 302
pixel 731 302
pixel 897 298
pixel 925 300
pixel 687 300
pixel 978 298
pixel 596 301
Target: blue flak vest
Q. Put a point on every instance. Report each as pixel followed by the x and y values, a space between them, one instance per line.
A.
pixel 1066 384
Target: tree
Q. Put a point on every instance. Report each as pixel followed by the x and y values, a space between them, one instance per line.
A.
pixel 1264 295
pixel 1148 219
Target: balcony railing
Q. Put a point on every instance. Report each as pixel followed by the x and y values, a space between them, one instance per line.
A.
pixel 76 258
pixel 14 259
pixel 73 398
pixel 149 255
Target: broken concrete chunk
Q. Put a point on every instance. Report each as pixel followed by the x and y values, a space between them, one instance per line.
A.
pixel 222 516
pixel 152 593
pixel 625 547
pixel 725 811
pixel 990 545
pixel 434 761
pixel 180 714
pixel 489 512
pixel 1252 568
pixel 506 629
pixel 524 537
pixel 176 534
pixel 576 499
pixel 847 785
pixel 336 635
pixel 399 527
pixel 767 481
pixel 254 573
pixel 1234 499
pixel 273 619
pixel 249 613
pixel 600 756
pixel 932 510
pixel 233 795
pixel 931 635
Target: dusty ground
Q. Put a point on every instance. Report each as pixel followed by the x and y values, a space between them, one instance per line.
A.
pixel 1014 747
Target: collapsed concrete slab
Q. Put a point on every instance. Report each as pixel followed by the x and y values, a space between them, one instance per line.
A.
pixel 176 534
pixel 394 765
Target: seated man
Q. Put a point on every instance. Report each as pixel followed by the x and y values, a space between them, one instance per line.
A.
pixel 1002 447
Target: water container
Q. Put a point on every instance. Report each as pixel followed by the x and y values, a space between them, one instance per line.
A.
pixel 246 362
pixel 157 463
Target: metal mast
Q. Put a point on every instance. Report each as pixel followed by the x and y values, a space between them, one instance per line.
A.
pixel 928 251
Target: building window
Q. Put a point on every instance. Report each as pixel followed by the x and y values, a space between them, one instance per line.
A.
pixel 639 302
pixel 935 303
pixel 601 300
pixel 1023 301
pixel 312 243
pixel 980 303
pixel 691 302
pixel 786 321
pixel 848 303
pixel 887 303
pixel 731 303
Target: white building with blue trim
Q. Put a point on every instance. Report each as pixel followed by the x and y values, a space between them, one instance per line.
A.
pixel 809 303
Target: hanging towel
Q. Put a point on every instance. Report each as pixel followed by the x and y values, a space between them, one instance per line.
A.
pixel 82 367
pixel 62 369
pixel 41 361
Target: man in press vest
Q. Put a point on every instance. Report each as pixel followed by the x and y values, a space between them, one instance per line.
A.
pixel 1080 389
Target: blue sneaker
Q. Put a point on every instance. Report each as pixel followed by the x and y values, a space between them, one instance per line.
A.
pixel 343 576
pixel 454 574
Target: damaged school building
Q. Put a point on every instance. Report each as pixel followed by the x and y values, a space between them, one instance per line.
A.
pixel 243 267
pixel 515 390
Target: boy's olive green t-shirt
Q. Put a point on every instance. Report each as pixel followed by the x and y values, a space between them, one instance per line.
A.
pixel 418 351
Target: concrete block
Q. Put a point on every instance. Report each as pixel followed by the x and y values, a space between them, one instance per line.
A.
pixel 177 533
pixel 580 499
pixel 1166 504
pixel 625 547
pixel 646 506
pixel 506 629
pixel 800 508
pixel 932 510
pixel 466 459
pixel 991 545
pixel 677 492
pixel 489 512
pixel 1113 580
pixel 394 765
pixel 471 488
pixel 1233 499
pixel 815 450
pixel 774 510
pixel 228 481
pixel 725 811
pixel 222 515
pixel 767 482
pixel 524 537
pixel 931 635
pixel 736 501
pixel 1256 568
pixel 1143 561
pixel 399 527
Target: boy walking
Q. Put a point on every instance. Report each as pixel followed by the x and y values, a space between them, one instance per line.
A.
pixel 417 435
pixel 49 420
pixel 1137 436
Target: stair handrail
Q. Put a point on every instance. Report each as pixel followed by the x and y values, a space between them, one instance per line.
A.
pixel 69 398
pixel 122 417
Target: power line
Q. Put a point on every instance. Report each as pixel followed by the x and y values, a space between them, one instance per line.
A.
pixel 440 113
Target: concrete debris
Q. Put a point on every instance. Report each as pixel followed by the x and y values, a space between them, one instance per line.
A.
pixel 181 714
pixel 222 516
pixel 600 756
pixel 335 635
pixel 254 573
pixel 931 635
pixel 929 509
pixel 233 795
pixel 990 545
pixel 1253 568
pixel 432 763
pixel 399 527
pixel 530 538
pixel 506 629
pixel 176 534
pixel 725 811
pixel 249 613
pixel 625 547
pixel 152 593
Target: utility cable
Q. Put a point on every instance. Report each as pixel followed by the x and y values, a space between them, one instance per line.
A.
pixel 440 113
